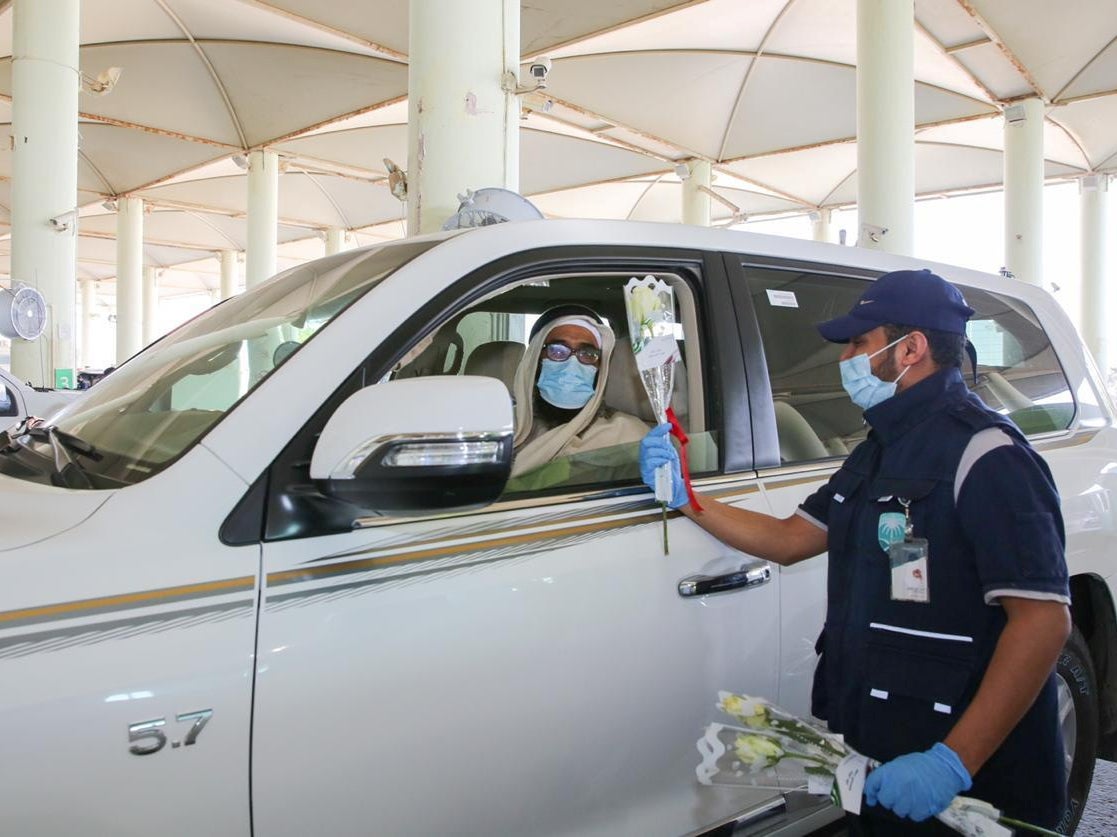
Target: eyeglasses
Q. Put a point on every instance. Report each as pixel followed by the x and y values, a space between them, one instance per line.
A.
pixel 589 355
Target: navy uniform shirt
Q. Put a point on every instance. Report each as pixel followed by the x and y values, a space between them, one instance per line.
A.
pixel 895 676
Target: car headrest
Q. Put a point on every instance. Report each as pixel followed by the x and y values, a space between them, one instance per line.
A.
pixel 497 359
pixel 624 390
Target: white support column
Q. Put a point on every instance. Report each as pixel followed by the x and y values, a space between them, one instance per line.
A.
pixel 129 277
pixel 1097 305
pixel 150 328
pixel 45 82
pixel 336 241
pixel 263 217
pixel 463 127
pixel 821 224
pixel 886 125
pixel 1024 190
pixel 230 271
pixel 696 202
pixel 88 305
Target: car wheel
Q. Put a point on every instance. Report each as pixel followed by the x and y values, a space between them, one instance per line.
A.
pixel 1078 718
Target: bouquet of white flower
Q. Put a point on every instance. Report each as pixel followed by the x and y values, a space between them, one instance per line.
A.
pixel 650 305
pixel 773 749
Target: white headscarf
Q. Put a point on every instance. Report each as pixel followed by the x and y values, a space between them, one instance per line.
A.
pixel 550 444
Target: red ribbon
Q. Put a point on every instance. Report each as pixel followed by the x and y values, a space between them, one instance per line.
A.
pixel 680 434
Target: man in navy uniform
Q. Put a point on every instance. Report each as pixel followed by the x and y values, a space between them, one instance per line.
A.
pixel 947 600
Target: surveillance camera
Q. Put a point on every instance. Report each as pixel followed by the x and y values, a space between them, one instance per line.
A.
pixel 539 69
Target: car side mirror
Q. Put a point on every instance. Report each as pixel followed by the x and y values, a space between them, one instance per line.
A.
pixel 418 445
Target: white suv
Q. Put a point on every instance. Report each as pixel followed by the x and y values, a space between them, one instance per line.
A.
pixel 284 586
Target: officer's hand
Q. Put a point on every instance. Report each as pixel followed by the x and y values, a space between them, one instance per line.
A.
pixel 918 785
pixel 655 450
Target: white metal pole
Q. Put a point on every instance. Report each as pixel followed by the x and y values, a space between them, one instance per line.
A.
pixel 229 273
pixel 886 124
pixel 45 83
pixel 88 303
pixel 150 306
pixel 335 241
pixel 263 216
pixel 1097 305
pixel 821 224
pixel 696 202
pixel 1024 190
pixel 463 127
pixel 129 277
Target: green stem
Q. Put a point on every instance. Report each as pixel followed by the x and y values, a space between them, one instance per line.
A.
pixel 1035 829
pixel 666 550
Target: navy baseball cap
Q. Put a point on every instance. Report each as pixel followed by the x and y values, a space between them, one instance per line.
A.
pixel 915 298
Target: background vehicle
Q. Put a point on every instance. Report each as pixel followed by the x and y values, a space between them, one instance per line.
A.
pixel 18 399
pixel 297 595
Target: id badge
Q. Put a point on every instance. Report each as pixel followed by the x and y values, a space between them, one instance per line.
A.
pixel 908 559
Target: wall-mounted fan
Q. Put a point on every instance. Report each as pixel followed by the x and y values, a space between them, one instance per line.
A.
pixel 23 312
pixel 491 206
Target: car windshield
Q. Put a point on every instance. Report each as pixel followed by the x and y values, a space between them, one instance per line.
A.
pixel 155 407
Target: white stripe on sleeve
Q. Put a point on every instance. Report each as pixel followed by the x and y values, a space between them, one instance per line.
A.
pixel 982 443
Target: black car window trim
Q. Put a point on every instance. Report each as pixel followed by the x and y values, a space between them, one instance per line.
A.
pixel 291 507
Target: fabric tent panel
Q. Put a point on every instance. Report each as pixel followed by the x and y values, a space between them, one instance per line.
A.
pixel 789 102
pixel 1053 40
pixel 547 23
pixel 933 104
pixel 989 133
pixel 947 22
pixel 1092 122
pixel 810 173
pixel 825 30
pixel 934 67
pixel 1100 76
pixel 715 24
pixel 664 202
pixel 682 97
pixel 995 71
pixel 317 85
pixel 382 22
pixel 348 202
pixel 129 159
pixel 183 229
pixel 207 20
pixel 549 162
pixel 603 201
pixel 140 96
pixel 118 21
pixel 360 148
pixel 224 194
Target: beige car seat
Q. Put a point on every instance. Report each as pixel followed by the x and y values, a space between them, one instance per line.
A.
pixel 498 359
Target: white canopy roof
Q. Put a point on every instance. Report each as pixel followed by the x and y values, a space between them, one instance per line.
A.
pixel 765 89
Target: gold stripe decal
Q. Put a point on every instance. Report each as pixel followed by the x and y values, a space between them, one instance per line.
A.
pixel 81 607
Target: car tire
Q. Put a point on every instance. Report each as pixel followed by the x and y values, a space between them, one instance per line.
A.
pixel 1078 717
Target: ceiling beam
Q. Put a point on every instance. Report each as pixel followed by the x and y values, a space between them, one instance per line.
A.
pixel 991 33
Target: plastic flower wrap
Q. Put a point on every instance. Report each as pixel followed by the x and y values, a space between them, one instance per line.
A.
pixel 769 748
pixel 650 305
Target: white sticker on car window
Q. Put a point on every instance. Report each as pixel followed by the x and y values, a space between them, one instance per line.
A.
pixel 783 299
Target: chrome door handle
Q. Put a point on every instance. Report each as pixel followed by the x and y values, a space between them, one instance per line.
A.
pixel 752 574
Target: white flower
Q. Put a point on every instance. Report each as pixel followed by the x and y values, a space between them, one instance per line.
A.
pixel 752 712
pixel 645 305
pixel 757 752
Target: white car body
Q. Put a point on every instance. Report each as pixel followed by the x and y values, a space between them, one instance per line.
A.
pixel 527 667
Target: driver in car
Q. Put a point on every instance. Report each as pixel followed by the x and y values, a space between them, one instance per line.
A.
pixel 559 392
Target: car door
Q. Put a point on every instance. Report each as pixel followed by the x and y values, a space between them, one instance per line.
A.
pixel 530 667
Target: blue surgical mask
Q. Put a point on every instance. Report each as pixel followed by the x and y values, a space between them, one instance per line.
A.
pixel 866 389
pixel 567 384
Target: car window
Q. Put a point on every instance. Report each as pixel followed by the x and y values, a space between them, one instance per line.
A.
pixel 9 406
pixel 491 338
pixel 1018 373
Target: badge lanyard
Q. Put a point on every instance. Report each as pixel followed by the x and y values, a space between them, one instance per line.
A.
pixel 908 561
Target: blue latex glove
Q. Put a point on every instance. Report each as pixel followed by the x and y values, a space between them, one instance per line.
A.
pixel 918 785
pixel 656 449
